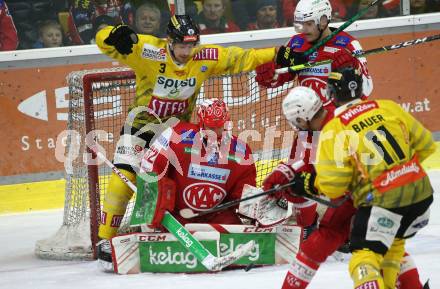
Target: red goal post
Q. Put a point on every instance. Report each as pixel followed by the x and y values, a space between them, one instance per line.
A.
pixel 99 100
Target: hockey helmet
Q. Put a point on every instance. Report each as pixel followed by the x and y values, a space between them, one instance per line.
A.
pixel 182 29
pixel 301 102
pixel 212 112
pixel 345 84
pixel 307 10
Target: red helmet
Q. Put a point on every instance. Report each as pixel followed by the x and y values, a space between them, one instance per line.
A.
pixel 212 112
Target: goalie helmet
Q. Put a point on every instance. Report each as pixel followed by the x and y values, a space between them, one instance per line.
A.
pixel 212 112
pixel 308 10
pixel 182 29
pixel 345 84
pixel 301 102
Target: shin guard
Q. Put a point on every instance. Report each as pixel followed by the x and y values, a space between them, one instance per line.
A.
pixel 365 269
pixel 115 203
pixel 391 263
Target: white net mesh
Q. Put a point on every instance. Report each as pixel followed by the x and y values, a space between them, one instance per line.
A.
pixel 99 100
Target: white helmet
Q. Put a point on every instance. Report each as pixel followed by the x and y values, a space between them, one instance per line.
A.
pixel 307 10
pixel 301 102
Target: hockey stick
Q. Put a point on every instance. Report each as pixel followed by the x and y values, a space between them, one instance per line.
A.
pixel 404 44
pixel 208 260
pixel 340 28
pixel 189 214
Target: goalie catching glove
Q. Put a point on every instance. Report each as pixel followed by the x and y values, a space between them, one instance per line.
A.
pixel 264 210
pixel 122 37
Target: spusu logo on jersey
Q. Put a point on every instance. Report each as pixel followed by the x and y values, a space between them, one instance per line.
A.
pixel 203 196
pixel 175 88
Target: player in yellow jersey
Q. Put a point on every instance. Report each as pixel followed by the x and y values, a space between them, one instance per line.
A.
pixel 169 75
pixel 373 149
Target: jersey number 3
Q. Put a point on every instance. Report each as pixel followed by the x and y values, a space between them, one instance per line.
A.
pixel 162 67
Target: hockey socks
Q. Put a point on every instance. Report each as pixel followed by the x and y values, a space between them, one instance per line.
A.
pixel 114 206
pixel 301 273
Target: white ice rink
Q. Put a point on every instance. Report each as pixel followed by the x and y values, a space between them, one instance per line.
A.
pixel 19 268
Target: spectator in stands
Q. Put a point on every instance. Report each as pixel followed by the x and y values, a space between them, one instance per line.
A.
pixel 212 18
pixel 110 8
pixel 8 33
pixel 80 22
pixel 339 11
pixel 378 10
pixel 50 35
pixel 266 15
pixel 418 6
pixel 101 22
pixel 147 20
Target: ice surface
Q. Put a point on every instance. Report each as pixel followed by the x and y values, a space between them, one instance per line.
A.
pixel 19 268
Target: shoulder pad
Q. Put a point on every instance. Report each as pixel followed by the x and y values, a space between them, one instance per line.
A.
pixel 296 41
pixel 341 40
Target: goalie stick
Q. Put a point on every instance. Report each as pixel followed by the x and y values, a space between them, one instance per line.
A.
pixel 404 44
pixel 208 260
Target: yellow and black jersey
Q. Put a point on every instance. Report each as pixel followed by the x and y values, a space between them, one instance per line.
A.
pixel 170 89
pixel 373 149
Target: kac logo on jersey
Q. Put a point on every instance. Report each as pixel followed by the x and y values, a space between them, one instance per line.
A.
pixel 154 53
pixel 211 174
pixel 203 196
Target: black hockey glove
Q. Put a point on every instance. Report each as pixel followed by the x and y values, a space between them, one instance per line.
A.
pixel 286 57
pixel 304 184
pixel 122 38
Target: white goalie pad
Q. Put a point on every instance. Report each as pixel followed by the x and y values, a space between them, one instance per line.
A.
pixel 264 209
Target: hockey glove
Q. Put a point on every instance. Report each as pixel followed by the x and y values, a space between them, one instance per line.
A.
pixel 286 57
pixel 304 184
pixel 122 37
pixel 281 175
pixel 266 76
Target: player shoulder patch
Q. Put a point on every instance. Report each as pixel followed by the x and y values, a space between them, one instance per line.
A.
pixel 154 53
pixel 209 53
pixel 341 40
pixel 296 42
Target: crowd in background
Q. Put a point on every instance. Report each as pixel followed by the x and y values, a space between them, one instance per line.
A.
pixel 48 23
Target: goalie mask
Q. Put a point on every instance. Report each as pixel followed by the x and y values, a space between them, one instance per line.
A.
pixel 182 29
pixel 345 84
pixel 212 113
pixel 301 103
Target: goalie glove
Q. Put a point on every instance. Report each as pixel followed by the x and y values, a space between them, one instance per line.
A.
pixel 304 184
pixel 281 175
pixel 122 37
pixel 264 210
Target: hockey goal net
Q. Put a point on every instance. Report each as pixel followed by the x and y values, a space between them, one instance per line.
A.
pixel 99 100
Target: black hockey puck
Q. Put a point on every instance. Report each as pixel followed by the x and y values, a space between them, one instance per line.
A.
pixel 249 267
